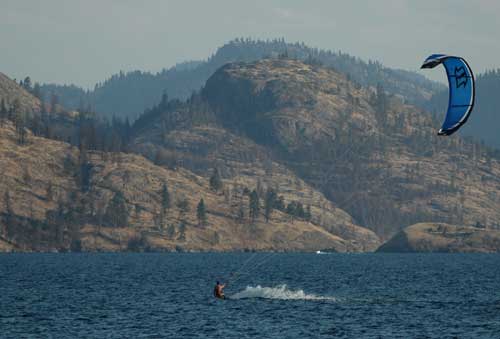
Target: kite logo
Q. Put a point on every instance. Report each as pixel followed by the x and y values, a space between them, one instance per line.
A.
pixel 460 77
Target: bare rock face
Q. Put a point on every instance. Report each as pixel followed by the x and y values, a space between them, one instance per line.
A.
pixel 439 237
pixel 287 103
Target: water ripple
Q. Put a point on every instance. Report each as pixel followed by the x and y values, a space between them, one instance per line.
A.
pixel 291 296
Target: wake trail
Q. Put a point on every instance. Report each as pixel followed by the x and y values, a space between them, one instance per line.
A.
pixel 280 292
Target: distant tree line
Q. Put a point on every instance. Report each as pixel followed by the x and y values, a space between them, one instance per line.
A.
pixel 126 94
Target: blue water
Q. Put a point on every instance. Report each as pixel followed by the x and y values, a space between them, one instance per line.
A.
pixel 282 296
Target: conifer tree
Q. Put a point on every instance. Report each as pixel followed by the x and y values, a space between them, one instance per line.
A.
pixel 308 215
pixel 60 223
pixel 20 124
pixel 54 101
pixel 215 180
pixel 183 206
pixel 165 197
pixel 201 213
pixel 299 210
pixel 240 213
pixel 170 231
pixel 164 100
pixel 269 203
pixel 116 212
pixel 280 203
pixel 3 110
pixel 291 208
pixel 381 105
pixel 37 91
pixel 8 211
pixel 254 205
pixel 182 231
pixel 27 84
pixel 50 192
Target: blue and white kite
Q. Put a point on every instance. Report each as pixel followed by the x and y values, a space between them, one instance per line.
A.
pixel 462 91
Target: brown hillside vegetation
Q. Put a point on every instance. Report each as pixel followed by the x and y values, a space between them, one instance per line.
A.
pixel 369 153
pixel 328 162
pixel 46 207
pixel 10 92
pixel 429 237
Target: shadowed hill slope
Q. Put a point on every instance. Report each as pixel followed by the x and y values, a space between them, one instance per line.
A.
pixel 484 122
pixel 369 153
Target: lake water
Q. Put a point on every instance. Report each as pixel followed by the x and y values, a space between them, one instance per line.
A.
pixel 275 296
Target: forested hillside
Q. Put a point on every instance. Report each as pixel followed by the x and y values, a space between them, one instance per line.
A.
pixel 129 94
pixel 275 154
pixel 369 153
pixel 70 182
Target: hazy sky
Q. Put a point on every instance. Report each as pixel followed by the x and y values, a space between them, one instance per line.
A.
pixel 82 42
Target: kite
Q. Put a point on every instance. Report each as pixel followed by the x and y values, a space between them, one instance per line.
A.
pixel 461 90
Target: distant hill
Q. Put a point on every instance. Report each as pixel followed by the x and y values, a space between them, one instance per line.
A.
pixel 129 94
pixel 431 237
pixel 484 122
pixel 370 154
pixel 286 155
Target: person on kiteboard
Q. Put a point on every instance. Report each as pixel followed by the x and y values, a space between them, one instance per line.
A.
pixel 219 290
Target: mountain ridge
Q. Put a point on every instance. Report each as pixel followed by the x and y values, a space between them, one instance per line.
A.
pixel 342 166
pixel 138 90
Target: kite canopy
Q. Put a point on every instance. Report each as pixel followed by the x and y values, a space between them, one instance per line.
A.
pixel 462 91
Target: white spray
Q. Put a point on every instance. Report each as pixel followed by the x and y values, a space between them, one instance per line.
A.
pixel 280 292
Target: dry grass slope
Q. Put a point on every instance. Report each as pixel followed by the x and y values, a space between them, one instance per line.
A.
pixel 29 170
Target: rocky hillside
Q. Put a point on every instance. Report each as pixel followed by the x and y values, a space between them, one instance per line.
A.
pixel 286 155
pixel 11 92
pixel 369 153
pixel 438 237
pixel 55 197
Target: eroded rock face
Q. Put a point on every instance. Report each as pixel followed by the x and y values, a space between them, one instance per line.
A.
pixel 439 237
pixel 286 102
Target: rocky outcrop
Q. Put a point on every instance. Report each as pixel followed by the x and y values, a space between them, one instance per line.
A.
pixel 439 237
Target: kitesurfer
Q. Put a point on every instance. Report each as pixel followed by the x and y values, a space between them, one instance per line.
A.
pixel 219 290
